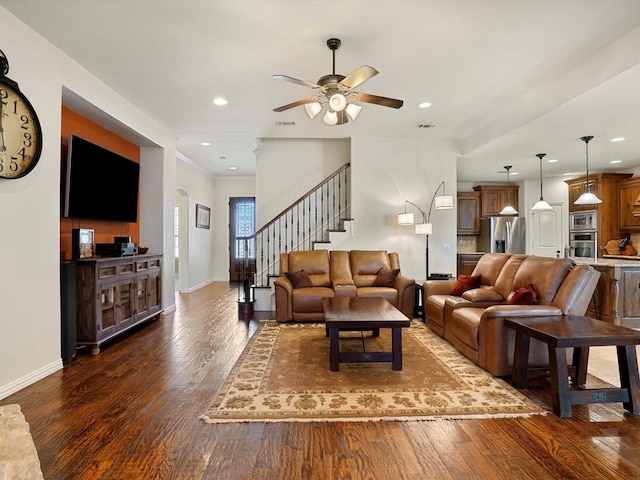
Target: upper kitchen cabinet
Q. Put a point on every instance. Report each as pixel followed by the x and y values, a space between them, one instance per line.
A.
pixel 493 198
pixel 604 185
pixel 629 205
pixel 468 213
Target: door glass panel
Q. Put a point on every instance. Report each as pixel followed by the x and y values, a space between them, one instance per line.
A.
pixel 245 223
pixel 108 306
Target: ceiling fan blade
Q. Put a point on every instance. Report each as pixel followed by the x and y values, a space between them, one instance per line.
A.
pixel 361 75
pixel 296 104
pixel 296 81
pixel 384 101
pixel 342 117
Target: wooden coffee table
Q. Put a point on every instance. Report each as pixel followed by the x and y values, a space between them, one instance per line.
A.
pixel 360 314
pixel 560 333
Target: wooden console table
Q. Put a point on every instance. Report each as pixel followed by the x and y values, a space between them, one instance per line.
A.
pixel 560 333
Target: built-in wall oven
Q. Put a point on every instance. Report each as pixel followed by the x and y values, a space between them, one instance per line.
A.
pixel 584 244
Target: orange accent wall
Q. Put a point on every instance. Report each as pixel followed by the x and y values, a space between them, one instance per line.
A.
pixel 104 231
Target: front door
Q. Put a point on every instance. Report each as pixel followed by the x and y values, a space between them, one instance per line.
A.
pixel 242 226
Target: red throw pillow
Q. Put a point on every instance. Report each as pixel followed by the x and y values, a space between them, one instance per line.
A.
pixel 464 283
pixel 299 279
pixel 386 277
pixel 523 296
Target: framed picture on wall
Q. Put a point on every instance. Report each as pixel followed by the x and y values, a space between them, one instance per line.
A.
pixel 203 216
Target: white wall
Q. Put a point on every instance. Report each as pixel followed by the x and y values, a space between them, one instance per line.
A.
pixel 384 172
pixel 225 188
pixel 198 185
pixel 289 168
pixel 30 213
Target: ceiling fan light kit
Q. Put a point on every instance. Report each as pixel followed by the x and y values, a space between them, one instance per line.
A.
pixel 587 198
pixel 336 91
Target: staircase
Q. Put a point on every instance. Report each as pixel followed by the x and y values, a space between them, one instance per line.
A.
pixel 320 219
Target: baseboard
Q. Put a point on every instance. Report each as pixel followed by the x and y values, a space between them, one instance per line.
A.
pixel 30 379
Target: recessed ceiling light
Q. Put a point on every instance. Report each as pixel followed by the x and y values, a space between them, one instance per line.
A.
pixel 219 101
pixel 233 168
pixel 553 160
pixel 205 144
pixel 424 105
pixel 616 161
pixel 617 139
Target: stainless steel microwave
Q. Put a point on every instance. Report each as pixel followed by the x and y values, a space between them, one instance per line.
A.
pixel 583 221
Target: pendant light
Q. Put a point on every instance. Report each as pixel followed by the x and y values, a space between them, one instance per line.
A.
pixel 587 198
pixel 541 205
pixel 508 209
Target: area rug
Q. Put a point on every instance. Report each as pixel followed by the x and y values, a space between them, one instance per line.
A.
pixel 18 455
pixel 283 376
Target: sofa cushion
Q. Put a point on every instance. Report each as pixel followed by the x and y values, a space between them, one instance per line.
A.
pixel 504 282
pixel 464 283
pixel 489 267
pixel 365 265
pixel 389 294
pixel 386 277
pixel 523 296
pixel 314 262
pixel 545 274
pixel 299 279
pixel 309 300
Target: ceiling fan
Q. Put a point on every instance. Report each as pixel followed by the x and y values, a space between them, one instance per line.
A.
pixel 337 91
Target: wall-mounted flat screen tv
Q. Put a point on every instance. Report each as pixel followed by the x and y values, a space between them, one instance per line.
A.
pixel 100 184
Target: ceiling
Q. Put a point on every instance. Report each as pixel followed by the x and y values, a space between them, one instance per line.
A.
pixel 506 79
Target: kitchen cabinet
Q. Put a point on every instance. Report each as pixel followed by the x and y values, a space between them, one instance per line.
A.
pixel 115 294
pixel 628 192
pixel 467 262
pixel 493 198
pixel 468 213
pixel 605 186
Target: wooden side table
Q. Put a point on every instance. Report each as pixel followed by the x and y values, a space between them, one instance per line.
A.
pixel 560 333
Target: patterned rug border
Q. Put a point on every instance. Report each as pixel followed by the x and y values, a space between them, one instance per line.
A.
pixel 216 414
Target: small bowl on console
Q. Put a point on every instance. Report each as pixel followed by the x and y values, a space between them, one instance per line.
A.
pixel 142 250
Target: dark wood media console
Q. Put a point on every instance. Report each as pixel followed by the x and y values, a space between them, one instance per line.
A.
pixel 115 294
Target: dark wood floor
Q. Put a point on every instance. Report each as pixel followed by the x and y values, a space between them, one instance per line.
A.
pixel 132 413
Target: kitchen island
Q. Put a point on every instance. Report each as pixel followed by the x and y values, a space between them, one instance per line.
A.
pixel 617 296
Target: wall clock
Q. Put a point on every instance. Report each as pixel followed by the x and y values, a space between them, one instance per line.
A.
pixel 20 133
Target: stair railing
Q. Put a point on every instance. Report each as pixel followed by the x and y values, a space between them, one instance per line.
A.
pixel 304 223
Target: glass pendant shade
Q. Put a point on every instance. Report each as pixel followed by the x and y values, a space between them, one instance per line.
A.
pixel 587 198
pixel 337 102
pixel 353 110
pixel 312 109
pixel 330 118
pixel 405 219
pixel 541 205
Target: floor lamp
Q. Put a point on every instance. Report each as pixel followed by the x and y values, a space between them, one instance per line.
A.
pixel 441 202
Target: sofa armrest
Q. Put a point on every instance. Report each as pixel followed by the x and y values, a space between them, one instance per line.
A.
pixel 406 288
pixel 437 287
pixel 496 342
pixel 284 301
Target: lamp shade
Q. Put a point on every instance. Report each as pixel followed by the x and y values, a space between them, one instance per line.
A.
pixel 423 229
pixel 312 109
pixel 353 110
pixel 508 210
pixel 405 219
pixel 587 198
pixel 337 102
pixel 330 118
pixel 444 202
pixel 541 206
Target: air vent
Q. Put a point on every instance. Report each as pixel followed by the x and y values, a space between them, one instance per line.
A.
pixel 285 124
pixel 425 125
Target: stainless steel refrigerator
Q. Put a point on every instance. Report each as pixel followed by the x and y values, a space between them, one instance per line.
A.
pixel 502 235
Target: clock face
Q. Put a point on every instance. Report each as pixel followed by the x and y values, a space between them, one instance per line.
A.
pixel 20 134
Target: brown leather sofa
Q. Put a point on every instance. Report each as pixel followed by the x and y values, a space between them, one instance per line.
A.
pixel 473 322
pixel 338 273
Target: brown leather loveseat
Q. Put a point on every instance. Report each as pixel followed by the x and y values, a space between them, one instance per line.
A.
pixel 339 273
pixel 473 321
